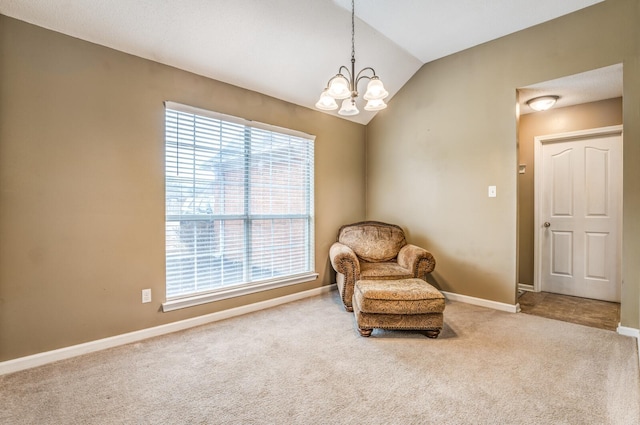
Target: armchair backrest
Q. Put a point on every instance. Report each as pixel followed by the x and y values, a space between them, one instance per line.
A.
pixel 373 241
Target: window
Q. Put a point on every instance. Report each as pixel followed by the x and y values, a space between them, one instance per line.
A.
pixel 239 206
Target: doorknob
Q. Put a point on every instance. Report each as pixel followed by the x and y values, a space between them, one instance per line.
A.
pixel 547 224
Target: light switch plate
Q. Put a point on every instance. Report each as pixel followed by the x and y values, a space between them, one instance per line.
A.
pixel 492 191
pixel 146 295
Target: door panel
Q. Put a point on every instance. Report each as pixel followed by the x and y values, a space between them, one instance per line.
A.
pixel 562 253
pixel 597 182
pixel 596 255
pixel 578 202
pixel 562 183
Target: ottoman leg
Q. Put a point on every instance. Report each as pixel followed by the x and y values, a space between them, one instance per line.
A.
pixel 432 333
pixel 365 332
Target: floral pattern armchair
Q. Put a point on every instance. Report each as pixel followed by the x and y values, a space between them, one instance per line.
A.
pixel 374 250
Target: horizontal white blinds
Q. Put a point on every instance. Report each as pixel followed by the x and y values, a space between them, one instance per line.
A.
pixel 239 202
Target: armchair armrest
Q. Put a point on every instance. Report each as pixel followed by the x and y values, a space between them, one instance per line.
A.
pixel 418 260
pixel 344 260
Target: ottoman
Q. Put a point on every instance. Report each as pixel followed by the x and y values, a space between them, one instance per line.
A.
pixel 410 304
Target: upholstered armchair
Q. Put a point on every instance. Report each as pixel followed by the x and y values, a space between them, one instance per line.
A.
pixel 373 250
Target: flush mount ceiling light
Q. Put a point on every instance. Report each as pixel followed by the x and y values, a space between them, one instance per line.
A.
pixel 542 103
pixel 344 85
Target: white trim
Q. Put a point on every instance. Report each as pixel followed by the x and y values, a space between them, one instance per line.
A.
pixel 526 287
pixel 509 308
pixel 633 333
pixel 40 359
pixel 236 291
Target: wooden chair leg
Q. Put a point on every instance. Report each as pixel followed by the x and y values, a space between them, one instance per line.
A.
pixel 432 333
pixel 365 332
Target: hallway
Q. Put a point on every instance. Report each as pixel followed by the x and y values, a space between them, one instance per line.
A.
pixel 582 311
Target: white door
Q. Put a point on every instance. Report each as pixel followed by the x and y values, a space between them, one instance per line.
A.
pixel 579 213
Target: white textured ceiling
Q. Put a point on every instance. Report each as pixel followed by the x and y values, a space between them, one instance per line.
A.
pixel 288 49
pixel 590 86
pixel 431 29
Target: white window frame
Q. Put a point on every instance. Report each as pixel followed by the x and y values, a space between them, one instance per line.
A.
pixel 189 300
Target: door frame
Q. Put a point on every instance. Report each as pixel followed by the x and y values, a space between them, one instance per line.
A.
pixel 539 141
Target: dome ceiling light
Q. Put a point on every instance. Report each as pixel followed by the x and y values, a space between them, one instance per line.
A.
pixel 542 103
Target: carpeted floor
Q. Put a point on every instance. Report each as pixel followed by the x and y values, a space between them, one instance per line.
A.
pixel 304 363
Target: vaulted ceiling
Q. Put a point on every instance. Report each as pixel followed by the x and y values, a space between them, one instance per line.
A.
pixel 289 49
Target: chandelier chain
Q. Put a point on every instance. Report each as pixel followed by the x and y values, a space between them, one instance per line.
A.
pixel 353 32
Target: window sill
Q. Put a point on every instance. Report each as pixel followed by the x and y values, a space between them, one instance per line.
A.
pixel 237 291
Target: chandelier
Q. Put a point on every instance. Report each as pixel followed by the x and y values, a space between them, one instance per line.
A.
pixel 344 85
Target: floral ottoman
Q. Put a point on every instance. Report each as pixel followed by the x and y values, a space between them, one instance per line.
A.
pixel 409 304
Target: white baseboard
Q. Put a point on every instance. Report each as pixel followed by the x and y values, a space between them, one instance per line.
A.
pixel 525 287
pixel 40 359
pixel 632 332
pixel 509 308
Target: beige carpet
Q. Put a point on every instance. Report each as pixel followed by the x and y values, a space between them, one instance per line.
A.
pixel 304 363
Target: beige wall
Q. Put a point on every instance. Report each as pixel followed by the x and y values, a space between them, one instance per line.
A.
pixel 573 118
pixel 81 170
pixel 82 186
pixel 451 132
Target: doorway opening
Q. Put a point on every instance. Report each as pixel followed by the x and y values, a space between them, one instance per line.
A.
pixel 586 101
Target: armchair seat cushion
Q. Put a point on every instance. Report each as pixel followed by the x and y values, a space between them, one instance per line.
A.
pixel 386 270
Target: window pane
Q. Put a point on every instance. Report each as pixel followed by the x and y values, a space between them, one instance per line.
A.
pixel 278 248
pixel 203 255
pixel 239 203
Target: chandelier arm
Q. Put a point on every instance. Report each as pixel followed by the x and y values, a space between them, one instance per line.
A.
pixel 360 77
pixel 347 70
pixel 340 74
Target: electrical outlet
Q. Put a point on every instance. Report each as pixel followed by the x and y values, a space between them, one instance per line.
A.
pixel 146 296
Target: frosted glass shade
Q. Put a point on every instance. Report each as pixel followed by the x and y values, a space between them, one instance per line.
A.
pixel 375 90
pixel 542 103
pixel 326 102
pixel 375 105
pixel 339 87
pixel 348 108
